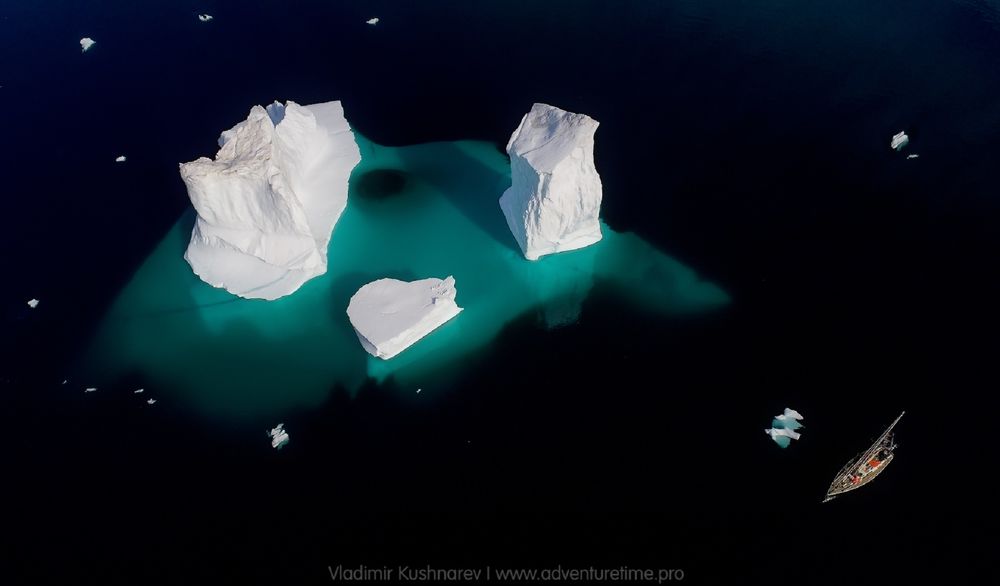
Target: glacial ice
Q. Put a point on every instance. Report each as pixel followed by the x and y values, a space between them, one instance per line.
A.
pixel 899 141
pixel 389 315
pixel 268 203
pixel 279 437
pixel 554 199
pixel 783 427
pixel 86 43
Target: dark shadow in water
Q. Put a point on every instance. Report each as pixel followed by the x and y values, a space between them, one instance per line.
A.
pixel 380 184
pixel 472 187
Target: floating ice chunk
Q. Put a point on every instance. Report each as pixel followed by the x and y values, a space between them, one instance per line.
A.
pixel 554 199
pixel 65 380
pixel 89 389
pixel 33 303
pixel 899 141
pixel 151 401
pixel 782 437
pixel 790 413
pixel 783 427
pixel 137 391
pixel 372 21
pixel 913 156
pixel 268 202
pixel 418 391
pixel 205 17
pixel 389 315
pixel 278 435
pixel 87 43
pixel 120 159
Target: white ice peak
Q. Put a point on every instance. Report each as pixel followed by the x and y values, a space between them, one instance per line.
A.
pixel 899 141
pixel 554 199
pixel 268 202
pixel 389 315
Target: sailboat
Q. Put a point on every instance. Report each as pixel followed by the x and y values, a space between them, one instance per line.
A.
pixel 865 466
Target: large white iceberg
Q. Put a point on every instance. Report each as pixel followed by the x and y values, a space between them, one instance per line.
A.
pixel 268 202
pixel 554 199
pixel 390 315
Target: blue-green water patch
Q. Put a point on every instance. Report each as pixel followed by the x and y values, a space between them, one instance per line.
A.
pixel 413 212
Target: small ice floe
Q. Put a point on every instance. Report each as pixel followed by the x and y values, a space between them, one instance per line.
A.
pixel 783 427
pixel 899 141
pixel 86 43
pixel 372 21
pixel 151 401
pixel 205 17
pixel 33 303
pixel 913 156
pixel 65 380
pixel 89 389
pixel 137 391
pixel 279 437
pixel 418 391
pixel 120 159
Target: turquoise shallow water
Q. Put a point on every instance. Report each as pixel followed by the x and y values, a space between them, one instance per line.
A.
pixel 413 212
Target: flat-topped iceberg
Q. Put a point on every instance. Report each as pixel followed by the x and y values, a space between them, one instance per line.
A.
pixel 555 195
pixel 390 315
pixel 268 202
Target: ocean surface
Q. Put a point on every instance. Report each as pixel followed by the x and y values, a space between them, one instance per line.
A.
pixel 763 247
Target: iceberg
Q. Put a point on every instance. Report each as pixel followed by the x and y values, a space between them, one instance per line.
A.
pixel 554 199
pixel 899 141
pixel 278 435
pixel 150 401
pixel 120 159
pixel 205 17
pixel 33 303
pixel 372 21
pixel 389 315
pixel 913 156
pixel 89 389
pixel 783 427
pixel 86 43
pixel 269 201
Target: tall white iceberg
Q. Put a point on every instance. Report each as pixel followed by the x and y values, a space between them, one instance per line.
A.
pixel 268 202
pixel 390 315
pixel 554 199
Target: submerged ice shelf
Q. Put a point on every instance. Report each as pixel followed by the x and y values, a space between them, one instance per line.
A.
pixel 412 211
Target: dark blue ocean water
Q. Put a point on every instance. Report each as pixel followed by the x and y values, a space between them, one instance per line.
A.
pixel 749 140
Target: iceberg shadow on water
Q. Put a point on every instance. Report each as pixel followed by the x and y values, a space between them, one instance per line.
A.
pixel 413 212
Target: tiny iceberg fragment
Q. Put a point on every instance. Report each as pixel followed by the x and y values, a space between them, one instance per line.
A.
pixel 120 159
pixel 372 21
pixel 205 17
pixel 89 389
pixel 33 303
pixel 137 391
pixel 913 156
pixel 899 141
pixel 278 435
pixel 389 315
pixel 783 427
pixel 86 43
pixel 151 401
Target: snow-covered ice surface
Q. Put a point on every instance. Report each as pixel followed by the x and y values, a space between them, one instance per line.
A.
pixel 899 141
pixel 390 315
pixel 783 427
pixel 269 201
pixel 554 199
